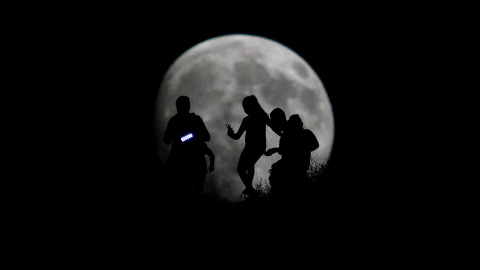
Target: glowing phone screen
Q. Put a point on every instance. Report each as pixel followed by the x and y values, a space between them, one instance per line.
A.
pixel 186 137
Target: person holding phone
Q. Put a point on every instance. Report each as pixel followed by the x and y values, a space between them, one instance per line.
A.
pixel 186 164
pixel 254 125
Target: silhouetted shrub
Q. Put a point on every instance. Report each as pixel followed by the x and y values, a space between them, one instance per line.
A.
pixel 309 184
pixel 263 187
pixel 316 169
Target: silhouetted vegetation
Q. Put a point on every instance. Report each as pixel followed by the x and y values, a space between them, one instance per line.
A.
pixel 309 184
pixel 309 188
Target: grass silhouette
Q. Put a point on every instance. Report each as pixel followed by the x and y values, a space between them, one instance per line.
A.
pixel 310 187
pixel 213 211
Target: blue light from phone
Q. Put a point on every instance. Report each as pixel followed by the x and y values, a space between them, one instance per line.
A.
pixel 187 137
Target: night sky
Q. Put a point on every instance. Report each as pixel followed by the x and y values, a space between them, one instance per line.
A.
pixel 116 63
pixel 351 60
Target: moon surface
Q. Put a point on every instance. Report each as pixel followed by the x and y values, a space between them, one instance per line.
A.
pixel 217 74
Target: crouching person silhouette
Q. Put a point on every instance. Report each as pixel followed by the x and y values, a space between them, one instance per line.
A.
pixel 186 164
pixel 296 145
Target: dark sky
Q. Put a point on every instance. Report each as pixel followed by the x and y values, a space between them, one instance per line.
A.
pixel 352 60
pixel 107 63
pixel 113 62
pixel 352 64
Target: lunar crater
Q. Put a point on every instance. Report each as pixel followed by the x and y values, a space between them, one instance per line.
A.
pixel 278 90
pixel 300 69
pixel 250 73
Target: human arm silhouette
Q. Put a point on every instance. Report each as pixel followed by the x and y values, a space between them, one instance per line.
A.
pixel 271 151
pixel 239 133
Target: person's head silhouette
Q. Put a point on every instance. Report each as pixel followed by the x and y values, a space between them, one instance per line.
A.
pixel 183 105
pixel 251 106
pixel 294 122
pixel 279 119
pixel 247 105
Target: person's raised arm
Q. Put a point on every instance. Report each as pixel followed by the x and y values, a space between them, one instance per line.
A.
pixel 239 133
pixel 271 151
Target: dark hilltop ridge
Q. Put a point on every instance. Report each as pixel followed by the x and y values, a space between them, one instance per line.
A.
pixel 314 193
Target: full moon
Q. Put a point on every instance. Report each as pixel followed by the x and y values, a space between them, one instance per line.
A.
pixel 217 74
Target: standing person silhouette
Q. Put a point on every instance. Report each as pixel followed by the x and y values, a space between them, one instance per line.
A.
pixel 186 163
pixel 254 124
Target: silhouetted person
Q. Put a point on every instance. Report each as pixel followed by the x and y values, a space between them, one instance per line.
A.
pixel 255 141
pixel 296 145
pixel 278 123
pixel 186 164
